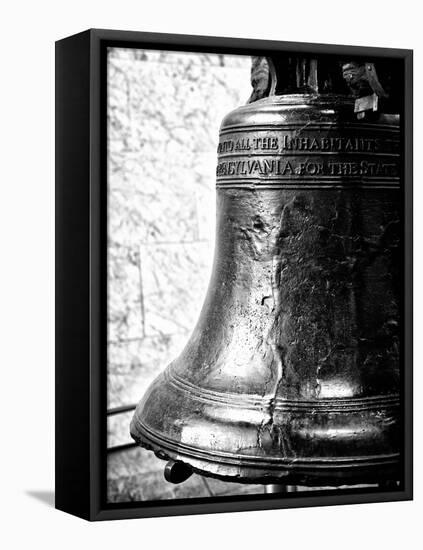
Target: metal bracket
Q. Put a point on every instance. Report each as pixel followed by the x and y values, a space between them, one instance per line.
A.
pixel 366 103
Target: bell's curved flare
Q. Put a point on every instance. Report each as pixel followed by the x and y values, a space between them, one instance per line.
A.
pixel 292 372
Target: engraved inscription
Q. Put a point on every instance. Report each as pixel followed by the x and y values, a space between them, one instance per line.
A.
pixel 272 155
pixel 289 143
pixel 259 167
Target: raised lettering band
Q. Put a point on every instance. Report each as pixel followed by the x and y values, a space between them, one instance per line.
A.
pixel 309 156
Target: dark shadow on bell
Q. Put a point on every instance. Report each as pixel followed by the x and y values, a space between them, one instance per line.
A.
pixel 46 497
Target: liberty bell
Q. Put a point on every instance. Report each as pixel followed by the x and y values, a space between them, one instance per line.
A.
pixel 292 373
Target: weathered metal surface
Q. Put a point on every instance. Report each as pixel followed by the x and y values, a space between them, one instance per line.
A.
pixel 292 372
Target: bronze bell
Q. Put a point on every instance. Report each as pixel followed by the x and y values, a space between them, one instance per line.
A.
pixel 292 372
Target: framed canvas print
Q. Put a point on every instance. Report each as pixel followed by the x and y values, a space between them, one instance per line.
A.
pixel 233 274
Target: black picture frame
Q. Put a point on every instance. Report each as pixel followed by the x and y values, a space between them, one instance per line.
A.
pixel 81 277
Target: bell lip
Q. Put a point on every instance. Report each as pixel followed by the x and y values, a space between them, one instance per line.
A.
pixel 229 464
pixel 312 473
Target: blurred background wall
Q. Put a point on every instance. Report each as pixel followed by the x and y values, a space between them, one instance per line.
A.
pixel 164 113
